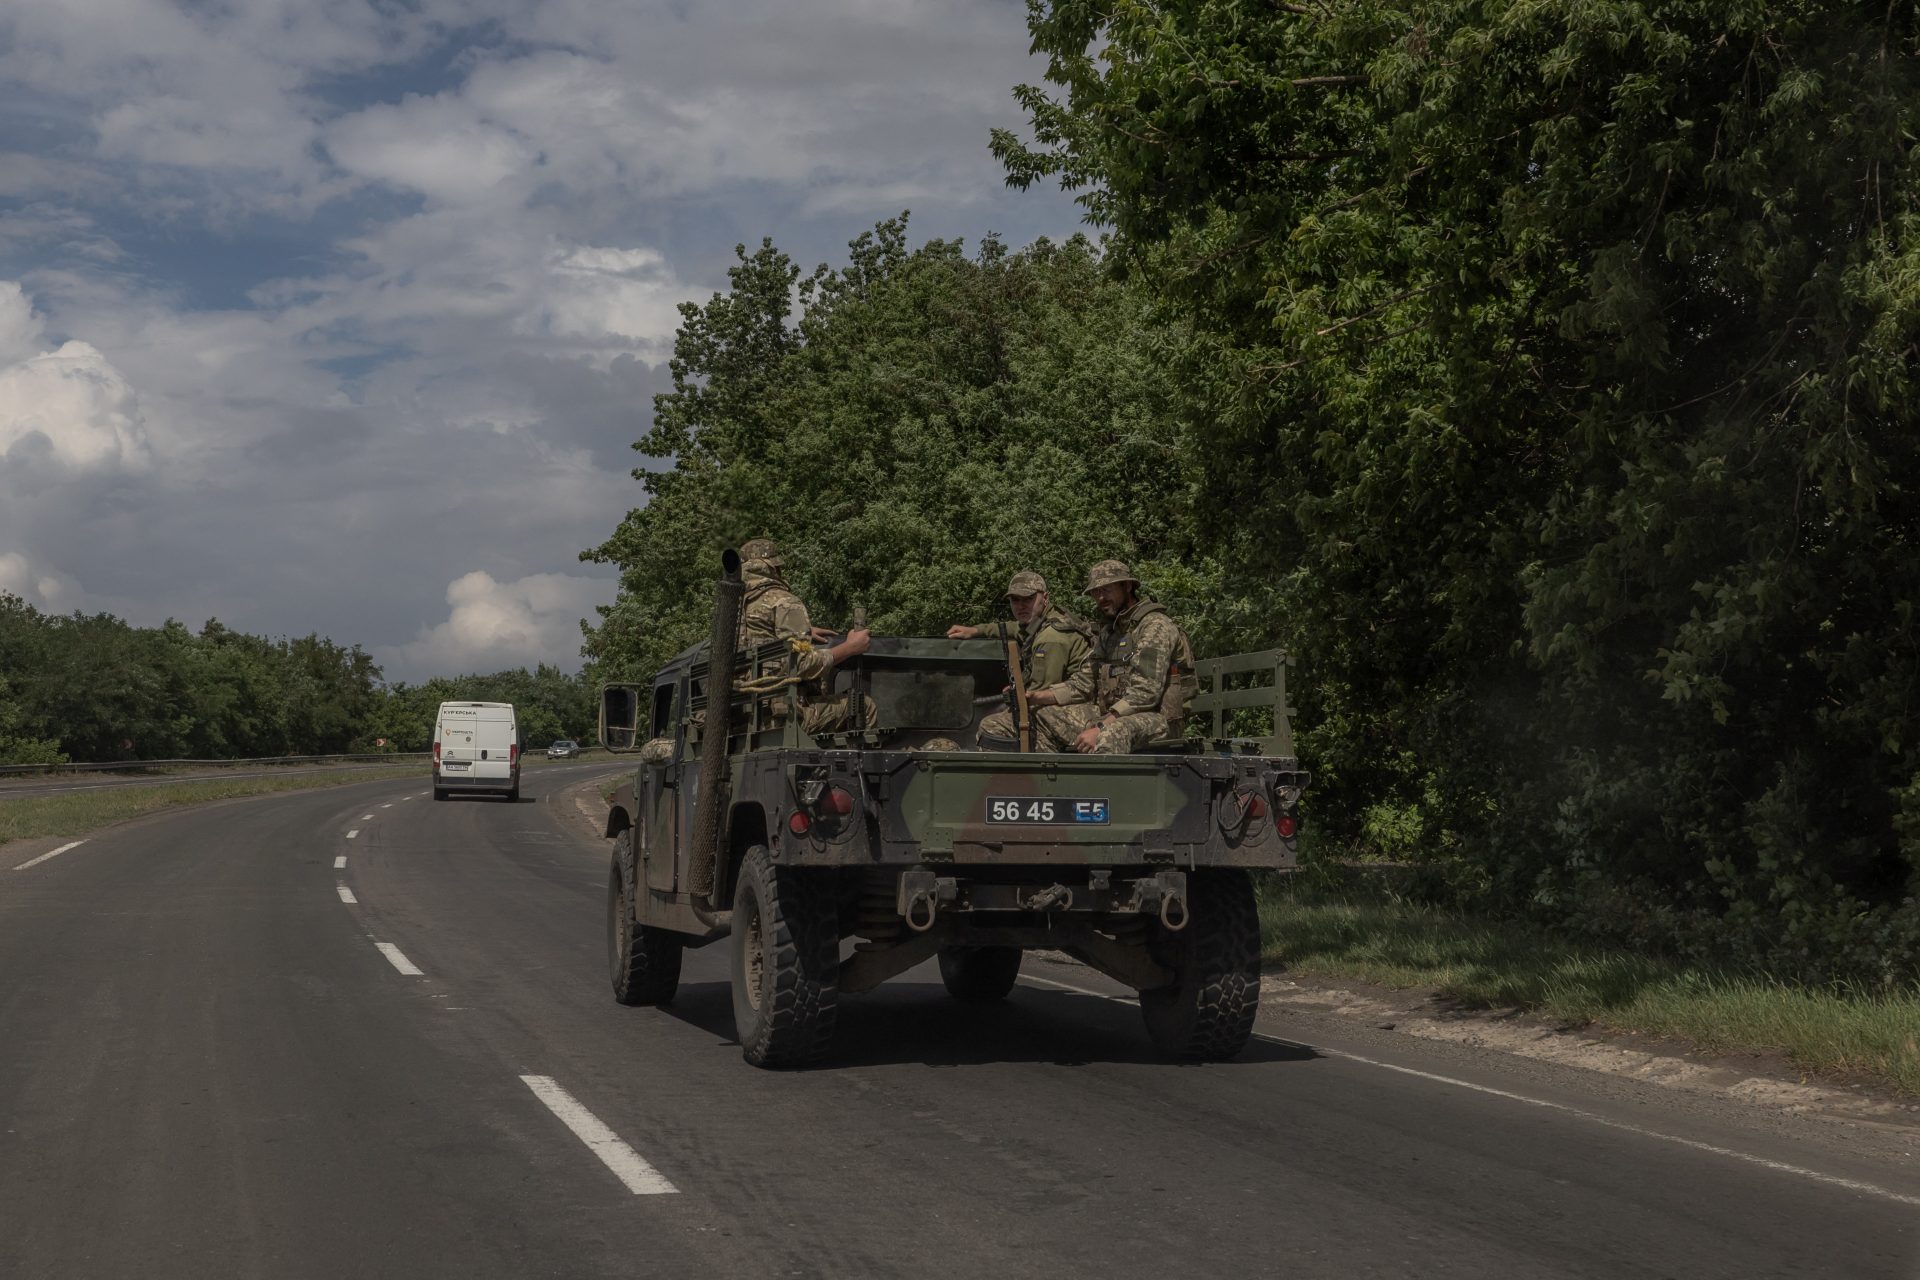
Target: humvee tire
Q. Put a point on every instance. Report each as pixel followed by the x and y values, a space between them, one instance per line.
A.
pixel 785 944
pixel 979 973
pixel 645 962
pixel 1207 1014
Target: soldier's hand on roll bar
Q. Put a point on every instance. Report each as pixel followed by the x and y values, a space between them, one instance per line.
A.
pixel 853 646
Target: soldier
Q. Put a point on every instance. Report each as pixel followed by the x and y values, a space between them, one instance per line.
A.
pixel 1053 643
pixel 1138 683
pixel 771 611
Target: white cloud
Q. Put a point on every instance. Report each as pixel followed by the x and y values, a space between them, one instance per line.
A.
pixel 493 625
pixel 20 331
pixel 69 406
pixel 306 284
pixel 46 588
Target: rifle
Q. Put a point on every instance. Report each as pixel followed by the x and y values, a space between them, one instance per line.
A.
pixel 1022 714
pixel 855 708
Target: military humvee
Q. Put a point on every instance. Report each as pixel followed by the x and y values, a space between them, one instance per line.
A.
pixel 739 825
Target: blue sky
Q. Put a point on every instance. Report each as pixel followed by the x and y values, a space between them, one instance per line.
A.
pixel 326 315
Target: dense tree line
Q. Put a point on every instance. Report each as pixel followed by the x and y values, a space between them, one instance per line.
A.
pixel 94 688
pixel 1540 375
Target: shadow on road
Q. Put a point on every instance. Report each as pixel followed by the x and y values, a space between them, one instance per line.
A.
pixel 917 1022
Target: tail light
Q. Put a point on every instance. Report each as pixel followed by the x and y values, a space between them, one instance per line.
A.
pixel 820 802
pixel 513 754
pixel 436 753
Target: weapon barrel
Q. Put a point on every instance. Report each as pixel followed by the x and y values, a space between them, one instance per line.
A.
pixel 722 653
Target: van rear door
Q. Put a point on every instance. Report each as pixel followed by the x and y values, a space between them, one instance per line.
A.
pixel 457 745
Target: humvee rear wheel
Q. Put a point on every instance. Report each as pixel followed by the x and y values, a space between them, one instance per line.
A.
pixel 1207 1014
pixel 979 973
pixel 645 962
pixel 786 960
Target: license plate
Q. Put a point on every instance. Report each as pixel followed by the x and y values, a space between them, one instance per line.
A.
pixel 1071 811
pixel 451 767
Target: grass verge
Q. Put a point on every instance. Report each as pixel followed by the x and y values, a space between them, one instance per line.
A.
pixel 1491 964
pixel 78 812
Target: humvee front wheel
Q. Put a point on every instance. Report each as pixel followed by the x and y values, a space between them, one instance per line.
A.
pixel 979 973
pixel 785 947
pixel 1207 1014
pixel 645 962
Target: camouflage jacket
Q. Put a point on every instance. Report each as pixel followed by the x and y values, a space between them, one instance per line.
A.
pixel 1141 661
pixel 1053 647
pixel 770 611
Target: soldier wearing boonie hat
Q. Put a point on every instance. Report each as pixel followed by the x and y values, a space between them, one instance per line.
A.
pixel 1136 686
pixel 1053 643
pixel 771 611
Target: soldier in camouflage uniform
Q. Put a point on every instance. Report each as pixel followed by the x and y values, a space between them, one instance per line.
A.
pixel 1054 645
pixel 1137 685
pixel 771 611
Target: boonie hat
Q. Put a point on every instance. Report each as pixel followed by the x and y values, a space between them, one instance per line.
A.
pixel 762 549
pixel 1026 583
pixel 1108 572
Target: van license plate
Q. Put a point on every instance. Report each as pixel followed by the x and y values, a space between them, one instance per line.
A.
pixel 452 767
pixel 1069 811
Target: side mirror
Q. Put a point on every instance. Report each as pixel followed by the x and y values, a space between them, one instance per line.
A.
pixel 620 717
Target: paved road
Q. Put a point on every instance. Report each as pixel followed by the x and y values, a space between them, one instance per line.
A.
pixel 210 1066
pixel 20 785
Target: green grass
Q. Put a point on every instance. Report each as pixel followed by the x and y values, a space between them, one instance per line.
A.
pixel 76 813
pixel 1487 964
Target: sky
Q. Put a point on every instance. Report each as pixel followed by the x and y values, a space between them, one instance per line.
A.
pixel 342 316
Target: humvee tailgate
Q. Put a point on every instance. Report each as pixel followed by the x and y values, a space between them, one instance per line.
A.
pixel 996 807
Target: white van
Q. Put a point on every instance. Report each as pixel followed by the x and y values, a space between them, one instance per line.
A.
pixel 476 747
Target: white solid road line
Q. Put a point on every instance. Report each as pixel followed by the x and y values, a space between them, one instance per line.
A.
pixel 51 853
pixel 640 1177
pixel 340 863
pixel 346 894
pixel 1814 1175
pixel 354 834
pixel 399 961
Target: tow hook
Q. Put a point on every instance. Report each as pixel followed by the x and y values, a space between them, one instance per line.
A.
pixel 1166 894
pixel 920 895
pixel 1053 898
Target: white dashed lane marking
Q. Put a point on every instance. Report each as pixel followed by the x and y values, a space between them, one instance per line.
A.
pixel 1778 1166
pixel 51 853
pixel 399 961
pixel 354 834
pixel 346 895
pixel 640 1177
pixel 366 817
pixel 339 863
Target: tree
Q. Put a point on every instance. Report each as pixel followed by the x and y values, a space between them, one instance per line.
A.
pixel 1569 349
pixel 925 424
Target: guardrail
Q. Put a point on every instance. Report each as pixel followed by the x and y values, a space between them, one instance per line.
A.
pixel 141 766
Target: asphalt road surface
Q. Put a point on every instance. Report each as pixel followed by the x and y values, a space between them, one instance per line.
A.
pixel 357 1033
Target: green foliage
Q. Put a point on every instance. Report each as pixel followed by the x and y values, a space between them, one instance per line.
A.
pixel 1562 356
pixel 912 427
pixel 93 688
